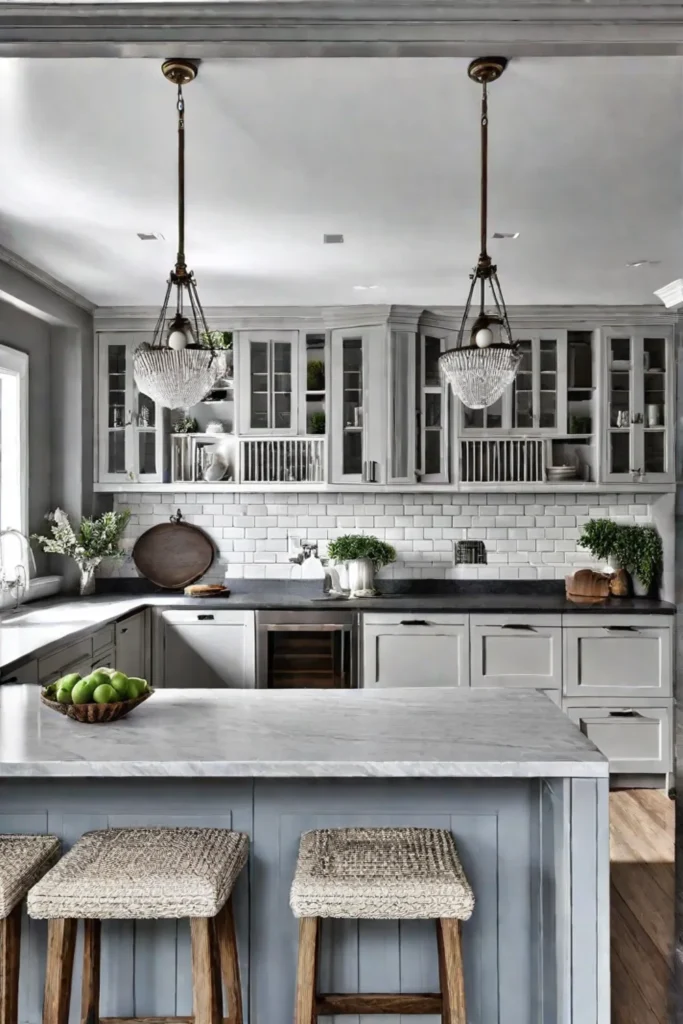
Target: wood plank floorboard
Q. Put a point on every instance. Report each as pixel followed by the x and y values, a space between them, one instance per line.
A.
pixel 642 905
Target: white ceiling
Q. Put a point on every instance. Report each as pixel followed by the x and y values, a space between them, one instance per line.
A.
pixel 586 163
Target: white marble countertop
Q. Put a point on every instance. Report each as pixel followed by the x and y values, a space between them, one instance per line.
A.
pixel 441 733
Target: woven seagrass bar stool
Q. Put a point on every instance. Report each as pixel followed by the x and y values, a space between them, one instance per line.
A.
pixel 375 874
pixel 143 874
pixel 23 859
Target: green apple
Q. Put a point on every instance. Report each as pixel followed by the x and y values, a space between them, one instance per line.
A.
pixel 105 694
pixel 83 690
pixel 121 684
pixel 64 686
pixel 140 686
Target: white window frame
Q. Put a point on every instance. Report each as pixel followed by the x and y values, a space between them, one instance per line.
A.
pixel 14 421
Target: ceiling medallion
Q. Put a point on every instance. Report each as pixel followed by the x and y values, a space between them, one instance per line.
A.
pixel 180 365
pixel 481 370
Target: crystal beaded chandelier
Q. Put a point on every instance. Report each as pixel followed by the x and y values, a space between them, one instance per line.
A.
pixel 480 371
pixel 180 366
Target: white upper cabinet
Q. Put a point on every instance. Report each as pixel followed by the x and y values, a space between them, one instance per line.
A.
pixel 353 396
pixel 358 433
pixel 131 428
pixel 638 403
pixel 268 382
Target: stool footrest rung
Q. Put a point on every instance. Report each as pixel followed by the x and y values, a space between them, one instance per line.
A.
pixel 356 1002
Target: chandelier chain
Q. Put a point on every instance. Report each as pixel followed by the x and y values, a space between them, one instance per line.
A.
pixel 180 267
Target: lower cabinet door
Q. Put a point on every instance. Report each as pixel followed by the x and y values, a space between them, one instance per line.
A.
pixel 415 651
pixel 131 646
pixel 207 650
pixel 516 651
pixel 635 739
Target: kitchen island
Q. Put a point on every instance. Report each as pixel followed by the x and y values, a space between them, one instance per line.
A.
pixel 523 791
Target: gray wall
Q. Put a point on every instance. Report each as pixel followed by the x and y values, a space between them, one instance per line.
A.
pixel 58 337
pixel 26 333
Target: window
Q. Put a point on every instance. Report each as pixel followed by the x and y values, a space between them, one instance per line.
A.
pixel 14 550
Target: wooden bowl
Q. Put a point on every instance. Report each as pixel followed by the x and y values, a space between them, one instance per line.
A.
pixel 95 714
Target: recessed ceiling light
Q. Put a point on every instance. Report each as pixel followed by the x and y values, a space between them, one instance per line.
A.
pixel 644 263
pixel 365 287
pixel 150 236
pixel 506 234
pixel 333 239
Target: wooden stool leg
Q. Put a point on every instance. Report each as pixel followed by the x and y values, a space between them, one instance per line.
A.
pixel 230 968
pixel 205 977
pixel 10 942
pixel 451 971
pixel 61 942
pixel 90 992
pixel 306 972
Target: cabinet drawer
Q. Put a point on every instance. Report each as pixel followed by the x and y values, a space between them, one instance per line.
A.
pixel 516 651
pixel 52 666
pixel 208 615
pixel 27 673
pixel 635 739
pixel 620 660
pixel 103 638
pixel 412 654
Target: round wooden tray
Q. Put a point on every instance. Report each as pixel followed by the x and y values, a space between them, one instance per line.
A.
pixel 172 555
pixel 95 714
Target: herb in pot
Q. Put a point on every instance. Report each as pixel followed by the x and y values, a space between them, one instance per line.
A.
pixel 599 536
pixel 639 551
pixel 354 546
pixel 316 423
pixel 315 375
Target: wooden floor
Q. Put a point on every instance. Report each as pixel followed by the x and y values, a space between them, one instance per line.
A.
pixel 642 897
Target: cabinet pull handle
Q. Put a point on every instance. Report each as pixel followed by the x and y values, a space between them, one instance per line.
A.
pixel 414 622
pixel 519 625
pixel 621 629
pixel 204 617
pixel 124 629
pixel 11 679
pixel 625 713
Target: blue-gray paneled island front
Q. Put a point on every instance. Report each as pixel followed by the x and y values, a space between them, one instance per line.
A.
pixel 522 790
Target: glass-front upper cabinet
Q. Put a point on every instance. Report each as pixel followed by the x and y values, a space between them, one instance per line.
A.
pixel 638 404
pixel 130 425
pixel 536 401
pixel 432 409
pixel 357 404
pixel 268 379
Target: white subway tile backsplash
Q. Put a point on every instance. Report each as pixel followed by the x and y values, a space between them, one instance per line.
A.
pixel 529 536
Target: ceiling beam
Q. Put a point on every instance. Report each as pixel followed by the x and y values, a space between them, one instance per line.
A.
pixel 342 28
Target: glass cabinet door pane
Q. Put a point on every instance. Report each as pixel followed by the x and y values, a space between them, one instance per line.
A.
pixel 655 461
pixel 654 382
pixel 315 384
pixel 620 400
pixel 548 377
pixel 620 451
pixel 522 394
pixel 116 452
pixel 258 384
pixel 282 385
pixel 400 402
pixel 352 405
pixel 146 414
pixel 147 452
pixel 432 351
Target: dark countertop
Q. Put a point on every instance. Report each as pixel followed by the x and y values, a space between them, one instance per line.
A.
pixel 41 627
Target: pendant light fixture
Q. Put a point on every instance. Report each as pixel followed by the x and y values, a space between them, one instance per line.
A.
pixel 180 366
pixel 481 370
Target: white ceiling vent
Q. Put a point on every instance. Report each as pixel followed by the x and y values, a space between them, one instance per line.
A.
pixel 150 236
pixel 333 239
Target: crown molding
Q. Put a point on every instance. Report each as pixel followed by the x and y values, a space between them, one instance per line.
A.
pixel 143 318
pixel 335 28
pixel 41 277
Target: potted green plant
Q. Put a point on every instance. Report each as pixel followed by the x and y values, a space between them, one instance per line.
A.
pixel 599 536
pixel 97 537
pixel 363 556
pixel 639 551
pixel 635 548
